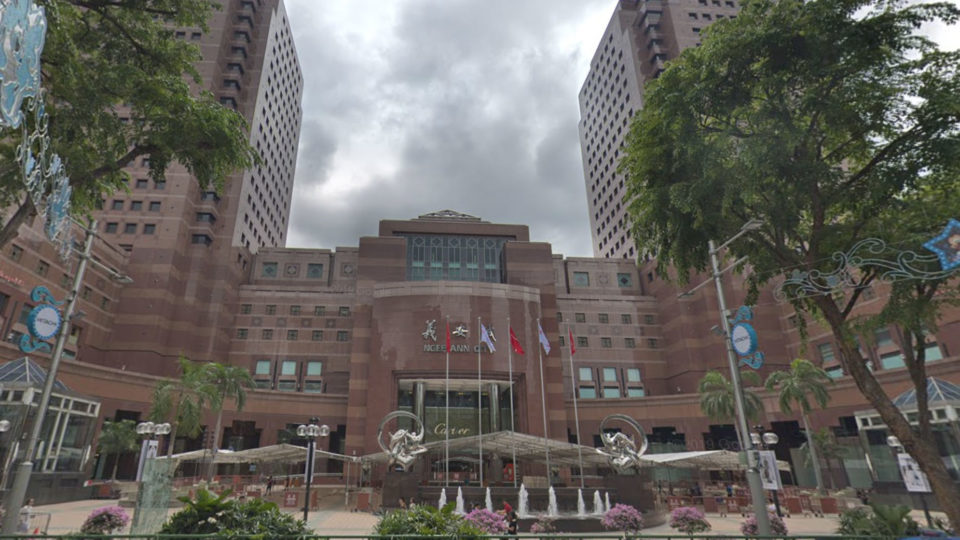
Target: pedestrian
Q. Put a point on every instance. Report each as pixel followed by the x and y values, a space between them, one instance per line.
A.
pixel 507 509
pixel 512 522
pixel 402 503
pixel 269 483
pixel 26 514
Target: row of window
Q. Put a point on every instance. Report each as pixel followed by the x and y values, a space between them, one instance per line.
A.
pixel 129 228
pixel 890 359
pixel 610 387
pixel 271 309
pixel 293 335
pixel 135 206
pixel 604 318
pixel 287 373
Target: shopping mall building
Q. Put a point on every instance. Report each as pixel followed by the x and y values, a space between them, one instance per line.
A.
pixel 351 334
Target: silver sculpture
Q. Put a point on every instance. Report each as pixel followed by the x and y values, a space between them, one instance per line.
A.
pixel 622 450
pixel 403 446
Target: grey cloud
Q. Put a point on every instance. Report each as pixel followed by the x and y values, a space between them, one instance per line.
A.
pixel 479 101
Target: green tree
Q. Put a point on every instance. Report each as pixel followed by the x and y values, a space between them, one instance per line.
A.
pixel 181 402
pixel 230 382
pixel 718 403
pixel 117 437
pixel 830 121
pixel 796 386
pixel 121 87
pixel 827 449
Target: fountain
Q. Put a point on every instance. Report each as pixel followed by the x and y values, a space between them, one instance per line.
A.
pixel 597 503
pixel 489 501
pixel 443 499
pixel 606 496
pixel 459 509
pixel 581 506
pixel 523 509
pixel 552 510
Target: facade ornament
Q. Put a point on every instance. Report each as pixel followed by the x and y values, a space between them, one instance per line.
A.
pixel 402 446
pixel 620 449
pixel 461 331
pixel 431 331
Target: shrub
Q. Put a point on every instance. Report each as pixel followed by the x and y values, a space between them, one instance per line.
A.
pixel 879 520
pixel 487 521
pixel 105 520
pixel 749 527
pixel 230 519
pixel 623 517
pixel 689 520
pixel 427 520
pixel 543 525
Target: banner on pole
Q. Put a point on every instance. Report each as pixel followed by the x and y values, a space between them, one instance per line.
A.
pixel 913 477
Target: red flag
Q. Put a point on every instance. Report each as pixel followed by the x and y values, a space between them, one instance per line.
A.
pixel 448 336
pixel 515 343
pixel 573 349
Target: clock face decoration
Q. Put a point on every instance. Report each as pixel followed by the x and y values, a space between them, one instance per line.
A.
pixel 348 269
pixel 292 269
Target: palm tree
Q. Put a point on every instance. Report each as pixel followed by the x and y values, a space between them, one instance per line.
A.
pixel 827 447
pixel 803 379
pixel 117 437
pixel 230 382
pixel 182 401
pixel 718 403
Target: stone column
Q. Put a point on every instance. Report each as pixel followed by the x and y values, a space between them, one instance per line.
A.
pixel 494 392
pixel 419 394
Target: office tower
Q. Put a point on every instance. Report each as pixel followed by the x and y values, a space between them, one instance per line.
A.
pixel 189 248
pixel 639 39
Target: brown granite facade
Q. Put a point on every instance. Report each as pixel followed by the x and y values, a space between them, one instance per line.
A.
pixel 346 335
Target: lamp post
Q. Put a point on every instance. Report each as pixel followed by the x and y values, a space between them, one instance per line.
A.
pixel 753 473
pixel 150 429
pixel 311 431
pixel 21 479
pixel 894 442
pixel 764 441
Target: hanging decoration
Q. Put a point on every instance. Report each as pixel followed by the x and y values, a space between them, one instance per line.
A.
pixel 743 338
pixel 23 27
pixel 43 321
pixel 947 245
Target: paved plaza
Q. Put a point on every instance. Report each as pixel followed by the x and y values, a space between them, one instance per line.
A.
pixel 331 520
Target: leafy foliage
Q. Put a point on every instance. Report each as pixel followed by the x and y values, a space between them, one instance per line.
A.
pixel 829 121
pixel 182 401
pixel 623 517
pixel 117 437
pixel 878 520
pixel 717 399
pixel 803 379
pixel 105 520
pixel 227 518
pixel 750 528
pixel 121 87
pixel 427 520
pixel 689 520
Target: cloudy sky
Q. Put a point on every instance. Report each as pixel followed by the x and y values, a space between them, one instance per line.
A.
pixel 413 106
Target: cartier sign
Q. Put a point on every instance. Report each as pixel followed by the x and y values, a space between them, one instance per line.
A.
pixel 441 430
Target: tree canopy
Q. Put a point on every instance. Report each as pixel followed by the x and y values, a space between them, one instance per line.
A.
pixel 120 86
pixel 830 121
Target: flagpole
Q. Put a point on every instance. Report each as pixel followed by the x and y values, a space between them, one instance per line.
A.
pixel 479 403
pixel 576 413
pixel 513 439
pixel 446 420
pixel 543 405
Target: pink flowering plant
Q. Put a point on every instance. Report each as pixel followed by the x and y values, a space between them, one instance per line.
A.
pixel 623 517
pixel 543 525
pixel 105 520
pixel 750 528
pixel 689 520
pixel 487 521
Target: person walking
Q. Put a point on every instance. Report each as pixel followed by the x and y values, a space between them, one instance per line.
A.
pixel 26 514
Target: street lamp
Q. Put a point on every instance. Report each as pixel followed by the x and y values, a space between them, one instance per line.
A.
pixel 150 429
pixel 21 479
pixel 765 440
pixel 311 431
pixel 753 473
pixel 894 442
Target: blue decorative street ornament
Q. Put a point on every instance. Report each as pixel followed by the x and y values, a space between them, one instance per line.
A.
pixel 23 28
pixel 43 322
pixel 743 338
pixel 947 245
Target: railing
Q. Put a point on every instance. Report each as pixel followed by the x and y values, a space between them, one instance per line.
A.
pixel 565 536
